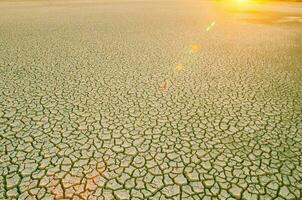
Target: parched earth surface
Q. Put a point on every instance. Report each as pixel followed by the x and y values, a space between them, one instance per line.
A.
pixel 150 100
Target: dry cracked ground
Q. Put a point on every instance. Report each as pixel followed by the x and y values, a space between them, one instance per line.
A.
pixel 150 100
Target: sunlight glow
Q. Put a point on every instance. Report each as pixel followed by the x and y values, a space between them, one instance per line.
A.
pixel 179 67
pixel 194 48
pixel 238 4
pixel 241 1
pixel 210 26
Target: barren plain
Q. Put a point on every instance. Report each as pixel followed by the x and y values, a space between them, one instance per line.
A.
pixel 150 100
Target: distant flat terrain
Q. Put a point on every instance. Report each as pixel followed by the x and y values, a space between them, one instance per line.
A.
pixel 150 99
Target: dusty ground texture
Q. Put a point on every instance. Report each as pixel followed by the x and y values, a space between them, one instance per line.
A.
pixel 137 100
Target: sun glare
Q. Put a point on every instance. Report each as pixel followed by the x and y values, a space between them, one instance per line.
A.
pixel 241 1
pixel 237 4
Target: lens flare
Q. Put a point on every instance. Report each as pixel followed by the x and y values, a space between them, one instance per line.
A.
pixel 179 67
pixel 194 48
pixel 210 26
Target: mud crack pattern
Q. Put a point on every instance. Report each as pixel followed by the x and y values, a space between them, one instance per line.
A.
pixel 92 106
